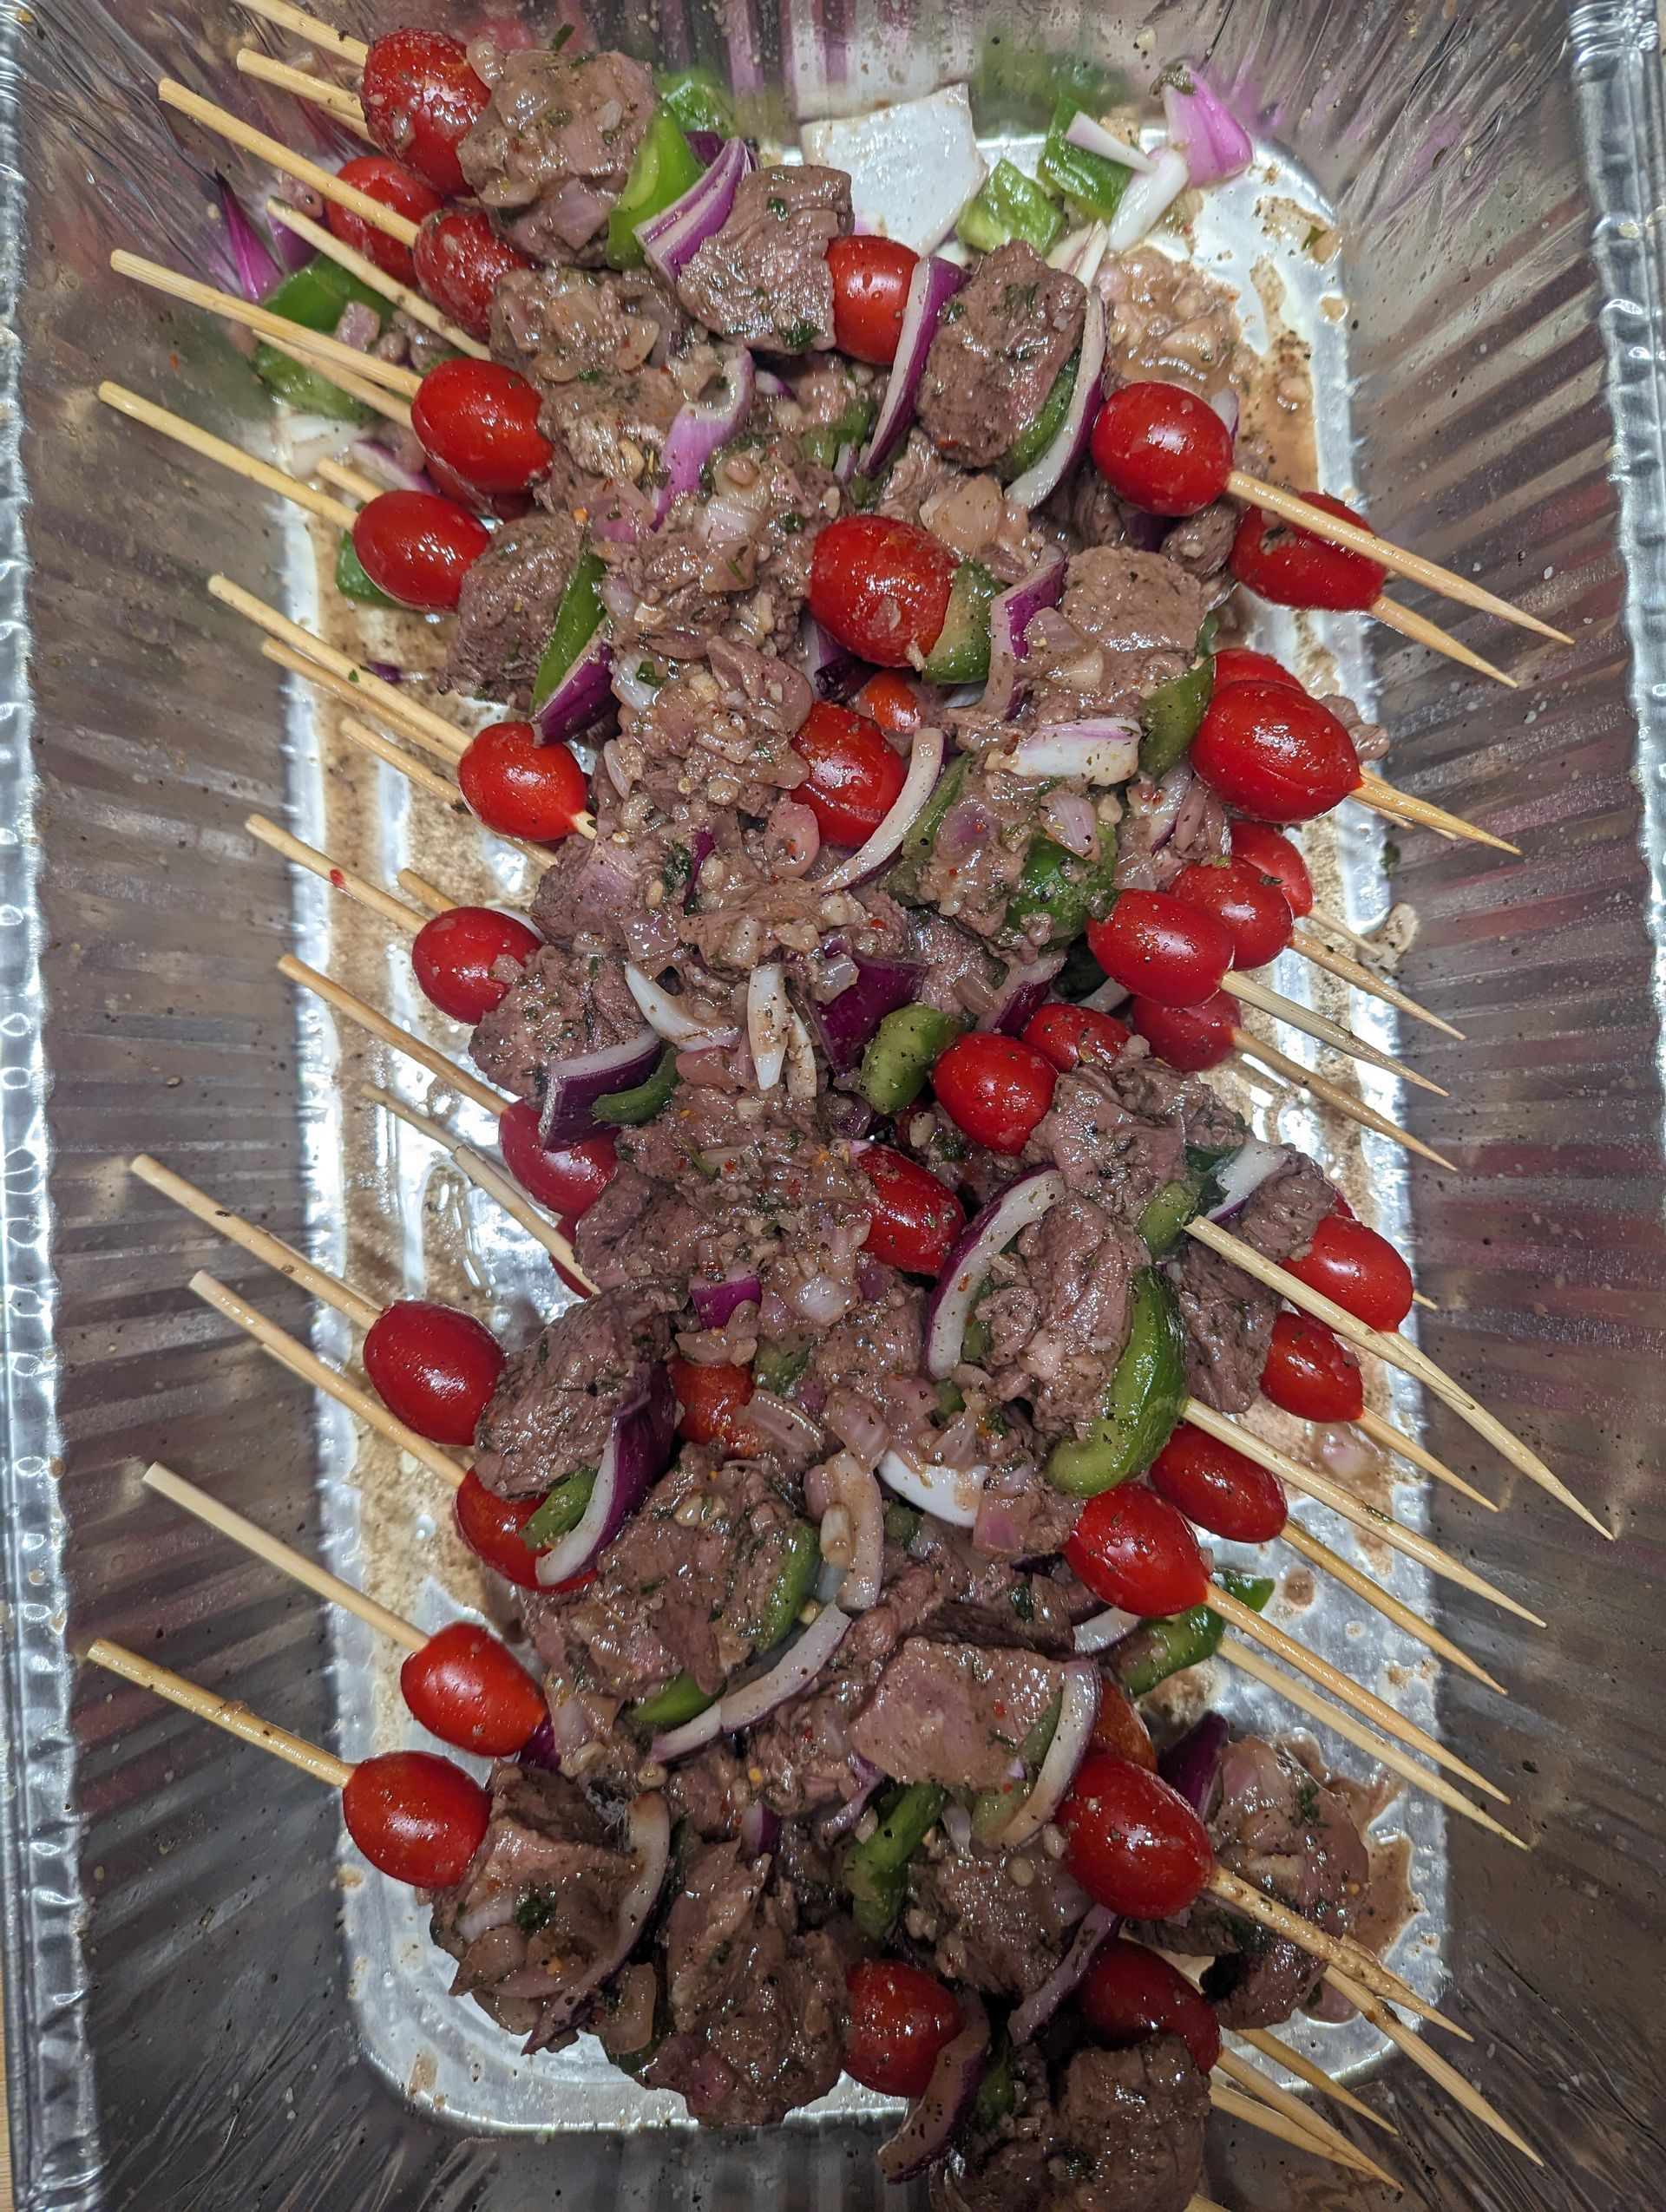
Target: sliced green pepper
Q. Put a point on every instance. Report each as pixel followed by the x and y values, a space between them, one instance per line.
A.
pixel 314 297
pixel 1010 205
pixel 1159 1648
pixel 875 1871
pixel 1140 1405
pixel 666 166
pixel 699 100
pixel 776 1367
pixel 792 1585
pixel 1170 717
pixel 560 1512
pixel 577 618
pixel 1081 975
pixel 901 1055
pixel 903 882
pixel 1062 886
pixel 824 443
pixel 962 652
pixel 1033 441
pixel 998 2092
pixel 902 1523
pixel 627 1107
pixel 350 578
pixel 1166 1214
pixel 680 1700
pixel 1093 184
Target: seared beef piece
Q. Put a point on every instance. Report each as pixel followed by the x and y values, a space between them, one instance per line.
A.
pixel 562 1002
pixel 1156 1092
pixel 999 347
pixel 1200 543
pixel 1275 1826
pixel 556 1399
pixel 955 1714
pixel 763 279
pixel 1229 1316
pixel 1165 826
pixel 1105 1150
pixel 1058 1313
pixel 560 327
pixel 757 1999
pixel 1128 623
pixel 552 148
pixel 979 1599
pixel 710 1792
pixel 507 607
pixel 994 1934
pixel 590 886
pixel 1093 513
pixel 1021 1515
pixel 540 1902
pixel 1279 1219
pixel 962 975
pixel 1370 739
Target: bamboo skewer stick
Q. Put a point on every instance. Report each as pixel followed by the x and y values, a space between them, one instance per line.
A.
pixel 260 1242
pixel 325 182
pixel 417 772
pixel 347 480
pixel 296 1565
pixel 1328 2142
pixel 372 395
pixel 1285 2054
pixel 1338 928
pixel 360 692
pixel 1430 2061
pixel 225 1712
pixel 338 103
pixel 428 895
pixel 1413 1624
pixel 1347 971
pixel 1332 1094
pixel 356 887
pixel 1300 2134
pixel 1386 1438
pixel 1383 798
pixel 412 303
pixel 1422 631
pixel 1336 1950
pixel 313 29
pixel 141 410
pixel 390 1034
pixel 1254 993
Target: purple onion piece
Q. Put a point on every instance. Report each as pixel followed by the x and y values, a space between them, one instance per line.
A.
pixel 760 1830
pixel 717 1303
pixel 1239 1177
pixel 581 698
pixel 988 1234
pixel 576 1083
pixel 835 673
pixel 702 428
pixel 1010 615
pixel 387 671
pixel 1203 129
pixel 258 273
pixel 1039 2007
pixel 932 2125
pixel 932 284
pixel 1192 1765
pixel 834 1824
pixel 1044 476
pixel 705 146
pixel 797 1669
pixel 671 238
pixel 539 1749
pixel 636 1455
pixel 650 1837
pixel 844 1025
pixel 1021 994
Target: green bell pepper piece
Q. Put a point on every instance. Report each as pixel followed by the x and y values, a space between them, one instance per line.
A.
pixel 350 578
pixel 626 1107
pixel 903 1522
pixel 1009 205
pixel 1141 1404
pixel 666 166
pixel 901 1055
pixel 699 100
pixel 314 295
pixel 560 1512
pixel 680 1700
pixel 776 1367
pixel 1162 1647
pixel 1061 884
pixel 1170 717
pixel 998 2092
pixel 962 652
pixel 1032 443
pixel 903 882
pixel 577 618
pixel 824 443
pixel 875 1872
pixel 1166 1214
pixel 792 1585
pixel 1092 185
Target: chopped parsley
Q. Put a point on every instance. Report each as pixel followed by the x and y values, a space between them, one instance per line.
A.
pixel 535 1911
pixel 792 524
pixel 797 336
pixel 1306 1805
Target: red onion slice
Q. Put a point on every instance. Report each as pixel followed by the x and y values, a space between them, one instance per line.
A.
pixel 1190 1765
pixel 1093 138
pixel 1010 616
pixel 760 1831
pixel 636 1455
pixel 1039 2007
pixel 987 1235
pixel 673 1743
pixel 583 696
pixel 1148 199
pixel 664 1015
pixel 669 240
pixel 924 761
pixel 258 273
pixel 1101 1630
pixel 951 1494
pixel 1044 476
pixel 649 1839
pixel 1078 1708
pixel 575 1084
pixel 869 1778
pixel 1239 1177
pixel 794 1673
pixel 844 1025
pixel 856 1544
pixel 703 427
pixel 932 284
pixel 932 2125
pixel 1024 991
pixel 1202 128
pixel 1103 750
pixel 1225 404
pixel 717 1303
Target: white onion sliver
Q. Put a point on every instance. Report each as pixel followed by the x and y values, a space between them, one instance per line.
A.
pixel 662 1012
pixel 1078 1711
pixel 924 761
pixel 951 1494
pixel 1093 138
pixel 1148 199
pixel 855 1489
pixel 1024 1201
pixel 673 1743
pixel 1040 2004
pixel 1100 1630
pixel 794 1673
pixel 800 1060
pixel 1225 404
pixel 1240 1175
pixel 767 1017
pixel 1042 476
pixel 1105 752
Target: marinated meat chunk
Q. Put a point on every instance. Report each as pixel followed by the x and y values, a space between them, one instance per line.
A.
pixel 1229 1316
pixel 590 887
pixel 565 1000
pixel 955 1714
pixel 1278 1219
pixel 507 607
pixel 720 732
pixel 1058 1316
pixel 1370 739
pixel 564 326
pixel 764 279
pixel 996 1933
pixel 1200 543
pixel 1128 623
pixel 963 975
pixel 1118 1157
pixel 550 152
pixel 999 345
pixel 555 1400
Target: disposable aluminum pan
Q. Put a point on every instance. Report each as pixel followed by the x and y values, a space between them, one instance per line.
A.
pixel 208 2004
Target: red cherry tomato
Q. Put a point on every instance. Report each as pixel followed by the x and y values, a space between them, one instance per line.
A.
pixel 710 1398
pixel 880 588
pixel 491 1526
pixel 1134 1844
pixel 418 547
pixel 870 290
pixel 1161 448
pixel 480 420
pixel 1130 1992
pixel 1191 1038
pixel 1117 1727
pixel 994 1088
pixel 459 260
pixel 1360 1270
pixel 1310 1372
pixel 1218 1489
pixel 415 1817
pixel 1253 913
pixel 421 98
pixel 568 1180
pixel 1275 753
pixel 455 954
pixel 890 700
pixel 519 787
pixel 468 1689
pixel 433 1367
pixel 1292 568
pixel 1158 946
pixel 855 776
pixel 507 506
pixel 916 1218
pixel 1272 854
pixel 393 185
pixel 900 2019
pixel 1238 665
pixel 1132 1549
pixel 1065 1035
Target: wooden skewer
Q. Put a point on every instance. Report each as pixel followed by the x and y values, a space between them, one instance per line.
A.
pixel 356 486
pixel 358 692
pixel 323 181
pixel 311 28
pixel 1347 971
pixel 428 895
pixel 1300 2134
pixel 1336 1950
pixel 388 1033
pixel 403 296
pixel 356 887
pixel 1254 993
pixel 372 395
pixel 1385 1602
pixel 225 1712
pixel 1422 631
pixel 290 1353
pixel 417 772
pixel 228 456
pixel 1366 1518
pixel 341 106
pixel 1295 509
pixel 357 1309
pixel 1430 2061
pixel 1332 1094
pixel 1398 1352
pixel 1338 928
pixel 1328 2142
pixel 1285 2054
pixel 296 1565
pixel 276 327
pixel 1383 798
pixel 1386 1438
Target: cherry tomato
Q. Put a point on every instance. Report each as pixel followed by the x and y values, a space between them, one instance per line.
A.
pixel 1218 1489
pixel 855 776
pixel 418 547
pixel 491 1526
pixel 1134 1844
pixel 568 1180
pixel 1275 753
pixel 480 420
pixel 916 1218
pixel 1254 912
pixel 880 588
pixel 900 2019
pixel 459 260
pixel 1273 855
pixel 507 506
pixel 1117 1727
pixel 393 185
pixel 1065 1035
pixel 1238 665
pixel 432 1367
pixel 1130 1992
pixel 1359 1270
pixel 870 290
pixel 1292 568
pixel 519 787
pixel 415 1817
pixel 1133 1549
pixel 468 1689
pixel 455 954
pixel 994 1088
pixel 1191 1038
pixel 710 1398
pixel 890 700
pixel 1161 448
pixel 421 98
pixel 1310 1372
pixel 1158 946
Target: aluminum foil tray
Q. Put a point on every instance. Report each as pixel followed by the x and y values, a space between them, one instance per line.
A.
pixel 208 2003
